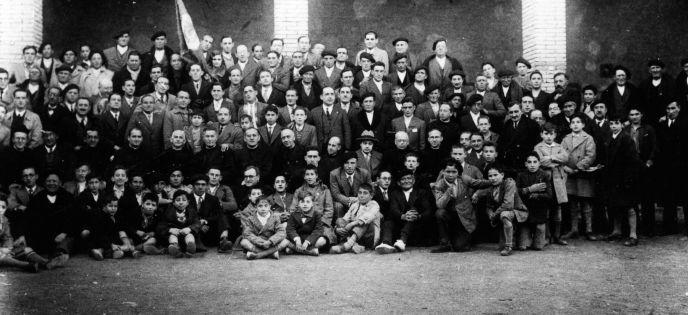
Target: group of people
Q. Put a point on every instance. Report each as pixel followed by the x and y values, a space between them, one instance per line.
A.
pixel 124 152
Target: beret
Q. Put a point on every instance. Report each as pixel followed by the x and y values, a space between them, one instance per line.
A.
pixel 420 68
pixel 474 99
pixel 505 73
pixel 431 88
pixel 397 57
pixel 158 34
pixel 63 68
pixel 329 53
pixel 523 61
pixel 306 68
pixel 400 39
pixel 366 56
pixel 120 33
pixel 655 62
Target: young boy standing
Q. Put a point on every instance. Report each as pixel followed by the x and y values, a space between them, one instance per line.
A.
pixel 553 157
pixel 535 188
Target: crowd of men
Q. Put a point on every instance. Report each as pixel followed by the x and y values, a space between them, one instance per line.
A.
pixel 222 125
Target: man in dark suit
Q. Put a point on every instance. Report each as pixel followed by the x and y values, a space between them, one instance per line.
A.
pixel 383 190
pixel 133 156
pixel 159 53
pixel 519 137
pixel 198 89
pixel 645 139
pixel 214 225
pixel 114 122
pixel 330 121
pixel 328 75
pixel 412 126
pixel 267 93
pixel 368 159
pixel 19 198
pixel 370 119
pixel 255 153
pixel 201 55
pixel 344 183
pixel 270 132
pixel 150 123
pixel 49 220
pixel 75 125
pixel 410 211
pixel 54 158
pixel 394 108
pixel 134 72
pixel 96 152
pixel 671 163
pixel 401 75
pixel 53 113
pixel 381 89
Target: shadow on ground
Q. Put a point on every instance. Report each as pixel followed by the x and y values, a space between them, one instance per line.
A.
pixel 584 277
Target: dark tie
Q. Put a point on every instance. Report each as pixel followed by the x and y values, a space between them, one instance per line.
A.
pixel 327 112
pixel 222 127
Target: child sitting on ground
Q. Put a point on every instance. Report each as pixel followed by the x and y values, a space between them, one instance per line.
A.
pixel 6 244
pixel 108 237
pixel 179 222
pixel 263 232
pixel 305 228
pixel 534 186
pixel 358 222
pixel 142 230
pixel 503 206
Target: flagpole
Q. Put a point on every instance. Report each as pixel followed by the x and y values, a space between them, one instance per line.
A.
pixel 179 27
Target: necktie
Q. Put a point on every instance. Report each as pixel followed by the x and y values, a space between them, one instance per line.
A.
pixel 327 111
pixel 198 87
pixel 31 190
pixel 117 117
pixel 83 122
pixel 270 131
pixel 200 200
pixel 671 122
pixel 222 127
pixel 384 193
pixel 150 118
pixel 266 96
pixel 351 181
pixel 367 157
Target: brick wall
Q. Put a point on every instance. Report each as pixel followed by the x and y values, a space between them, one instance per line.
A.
pixel 291 21
pixel 544 37
pixel 21 24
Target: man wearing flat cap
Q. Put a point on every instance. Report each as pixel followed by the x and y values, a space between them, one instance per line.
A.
pixel 522 69
pixel 400 75
pixel 440 65
pixel 508 91
pixel 328 75
pixel 117 55
pixel 370 41
pixel 159 53
pixel 365 61
pixel 401 47
pixel 658 90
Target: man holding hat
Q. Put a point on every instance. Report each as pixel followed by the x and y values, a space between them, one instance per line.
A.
pixel 658 90
pixel 117 55
pixel 159 53
pixel 506 89
pixel 401 47
pixel 370 41
pixel 328 75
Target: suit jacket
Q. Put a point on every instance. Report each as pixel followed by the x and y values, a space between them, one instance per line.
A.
pixel 416 131
pixel 378 127
pixel 493 105
pixel 175 119
pixel 201 99
pixel 254 231
pixel 210 210
pixel 646 143
pixel 116 61
pixel 52 122
pixel 340 187
pixel 461 203
pixel 307 137
pixel 436 75
pixel 324 81
pixel 273 141
pixel 19 196
pixel 33 123
pixel 419 199
pixel 309 229
pixel 513 94
pixel 312 59
pixel 281 78
pixel 148 60
pixel 163 102
pixel 259 118
pixel 336 125
pixel 231 135
pixel 394 79
pixel 226 197
pixel 152 134
pixel 249 73
pixel 276 97
pixel 142 80
pixel 424 111
pixel 383 96
pixel 515 143
pixel 379 55
pixel 170 219
pixel 211 114
pixel 113 130
pixel 373 166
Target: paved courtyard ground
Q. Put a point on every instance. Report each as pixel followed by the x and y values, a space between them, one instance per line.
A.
pixel 585 277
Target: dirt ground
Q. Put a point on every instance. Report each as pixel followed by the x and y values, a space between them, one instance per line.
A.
pixel 585 277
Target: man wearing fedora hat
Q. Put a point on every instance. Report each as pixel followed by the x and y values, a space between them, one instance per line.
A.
pixel 117 55
pixel 367 157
